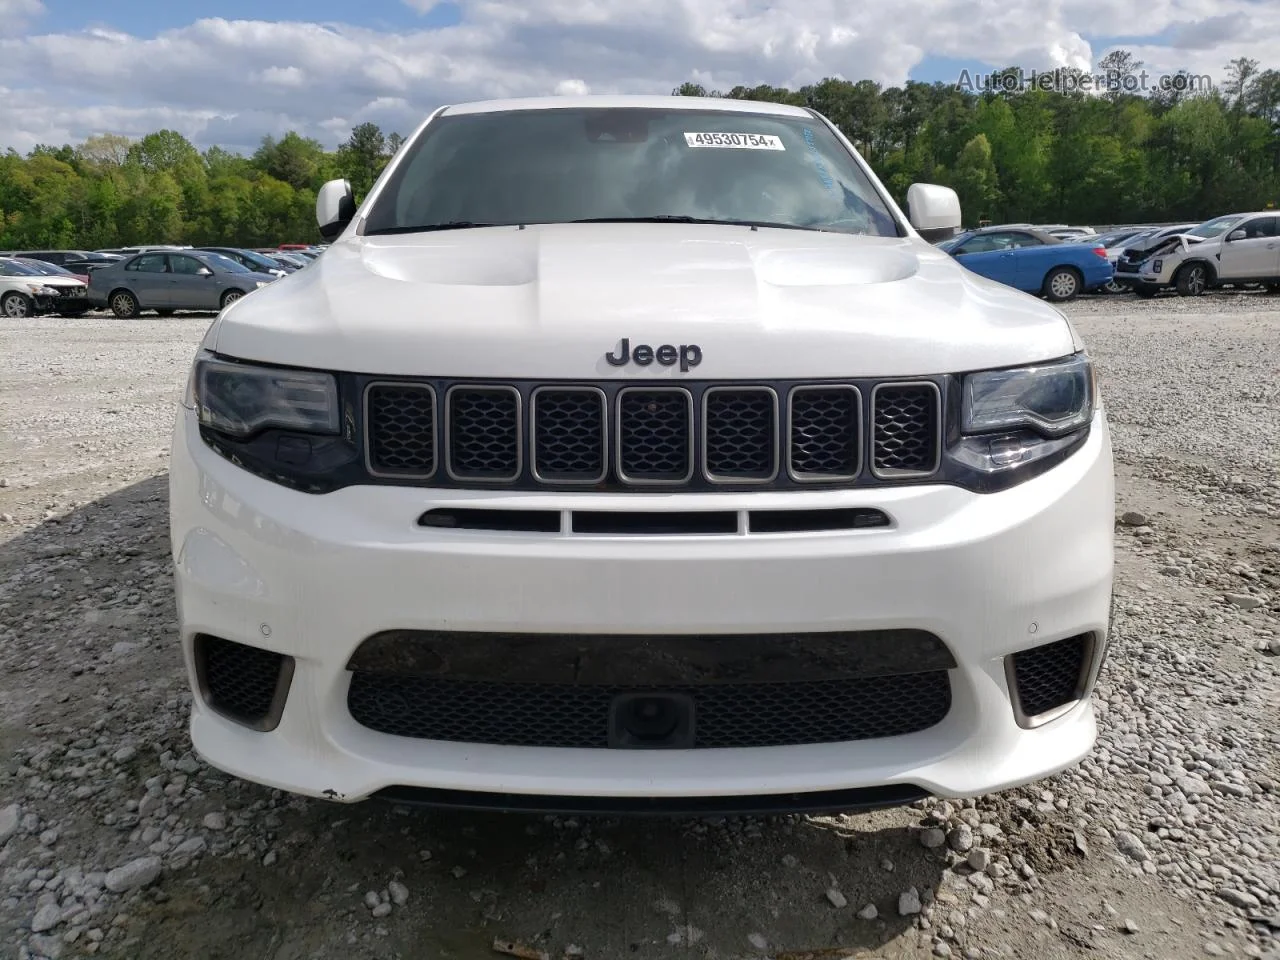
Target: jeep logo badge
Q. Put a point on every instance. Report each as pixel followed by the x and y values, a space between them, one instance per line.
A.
pixel 687 355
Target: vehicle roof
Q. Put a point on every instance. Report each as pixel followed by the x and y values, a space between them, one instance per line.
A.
pixel 629 101
pixel 1013 228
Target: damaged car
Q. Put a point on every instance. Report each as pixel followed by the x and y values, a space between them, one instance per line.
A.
pixel 1237 249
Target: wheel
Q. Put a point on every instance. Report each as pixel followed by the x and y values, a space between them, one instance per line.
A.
pixel 16 305
pixel 164 313
pixel 1062 283
pixel 1111 286
pixel 230 297
pixel 1193 280
pixel 124 304
pixel 1144 291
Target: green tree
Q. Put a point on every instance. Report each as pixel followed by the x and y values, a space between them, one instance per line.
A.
pixel 362 157
pixel 975 180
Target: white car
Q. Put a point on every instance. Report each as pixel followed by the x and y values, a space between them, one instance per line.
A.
pixel 26 291
pixel 640 453
pixel 1239 248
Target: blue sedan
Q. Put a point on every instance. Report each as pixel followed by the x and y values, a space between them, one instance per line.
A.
pixel 1032 260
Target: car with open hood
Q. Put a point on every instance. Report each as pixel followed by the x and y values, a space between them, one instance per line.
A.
pixel 1237 249
pixel 28 288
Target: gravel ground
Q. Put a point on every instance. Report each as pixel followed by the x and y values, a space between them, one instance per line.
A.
pixel 1165 843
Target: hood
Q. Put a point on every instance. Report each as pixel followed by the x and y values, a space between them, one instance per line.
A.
pixel 551 301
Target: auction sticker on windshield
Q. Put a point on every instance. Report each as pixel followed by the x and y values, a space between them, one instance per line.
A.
pixel 743 141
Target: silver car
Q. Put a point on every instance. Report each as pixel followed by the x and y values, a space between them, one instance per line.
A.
pixel 169 281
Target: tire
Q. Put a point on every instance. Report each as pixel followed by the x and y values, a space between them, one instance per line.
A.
pixel 230 297
pixel 1111 286
pixel 16 306
pixel 1062 283
pixel 123 304
pixel 1193 279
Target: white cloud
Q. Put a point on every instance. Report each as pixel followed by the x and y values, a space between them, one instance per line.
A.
pixel 216 79
pixel 572 88
pixel 283 76
pixel 15 15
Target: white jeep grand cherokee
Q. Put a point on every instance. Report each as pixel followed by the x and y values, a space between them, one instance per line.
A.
pixel 639 454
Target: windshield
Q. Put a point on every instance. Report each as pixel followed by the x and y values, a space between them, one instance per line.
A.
pixel 220 262
pixel 13 268
pixel 47 269
pixel 1214 227
pixel 566 165
pixel 1111 239
pixel 258 262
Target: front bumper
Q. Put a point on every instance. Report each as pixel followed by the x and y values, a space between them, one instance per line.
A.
pixel 312 576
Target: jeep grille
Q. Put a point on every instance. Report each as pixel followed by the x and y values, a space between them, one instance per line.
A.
pixel 652 436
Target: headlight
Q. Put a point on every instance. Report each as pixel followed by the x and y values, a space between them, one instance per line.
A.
pixel 1011 418
pixel 1055 398
pixel 241 399
pixel 260 284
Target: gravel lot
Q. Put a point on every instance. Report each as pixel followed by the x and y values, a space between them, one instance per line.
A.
pixel 115 840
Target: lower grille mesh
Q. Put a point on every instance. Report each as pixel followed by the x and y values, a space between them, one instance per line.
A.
pixel 240 681
pixel 1049 676
pixel 577 715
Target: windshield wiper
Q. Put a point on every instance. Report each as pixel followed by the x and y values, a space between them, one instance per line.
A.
pixel 428 227
pixel 681 218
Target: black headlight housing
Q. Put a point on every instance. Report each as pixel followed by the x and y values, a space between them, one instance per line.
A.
pixel 287 425
pixel 1015 423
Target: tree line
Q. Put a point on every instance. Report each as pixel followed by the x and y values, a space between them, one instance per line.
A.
pixel 1013 153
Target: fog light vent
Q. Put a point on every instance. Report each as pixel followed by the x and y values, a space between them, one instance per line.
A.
pixel 1050 676
pixel 243 683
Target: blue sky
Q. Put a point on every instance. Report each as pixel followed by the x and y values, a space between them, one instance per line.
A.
pixel 237 70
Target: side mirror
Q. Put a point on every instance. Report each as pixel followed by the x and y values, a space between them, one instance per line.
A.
pixel 1236 235
pixel 934 210
pixel 204 272
pixel 335 208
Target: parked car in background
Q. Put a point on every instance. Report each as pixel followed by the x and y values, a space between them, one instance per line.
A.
pixel 1239 248
pixel 60 257
pixel 51 269
pixel 92 261
pixel 1137 248
pixel 1114 243
pixel 26 290
pixel 288 260
pixel 249 258
pixel 1032 260
pixel 1070 233
pixel 169 281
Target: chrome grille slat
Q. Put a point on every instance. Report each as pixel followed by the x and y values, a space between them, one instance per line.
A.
pixel 825 432
pixel 740 434
pixel 483 438
pixel 570 436
pixel 655 435
pixel 651 435
pixel 401 434
pixel 906 429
